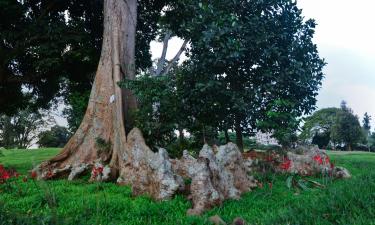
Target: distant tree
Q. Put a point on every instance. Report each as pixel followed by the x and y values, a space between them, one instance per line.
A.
pixel 318 127
pixel 21 130
pixel 57 136
pixel 347 129
pixel 344 106
pixel 7 135
pixel 366 122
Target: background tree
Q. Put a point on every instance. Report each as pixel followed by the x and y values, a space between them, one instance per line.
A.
pixel 57 136
pixel 22 129
pixel 347 129
pixel 7 136
pixel 317 128
pixel 366 128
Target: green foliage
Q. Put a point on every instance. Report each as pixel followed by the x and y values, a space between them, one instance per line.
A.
pixel 56 137
pixel 366 122
pixel 347 129
pixel 160 111
pixel 20 130
pixel 243 68
pixel 52 54
pixel 76 109
pixel 320 122
pixel 80 202
pixel 234 75
pixel 333 126
pixel 248 142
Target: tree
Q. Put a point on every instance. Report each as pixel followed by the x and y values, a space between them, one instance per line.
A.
pixel 347 129
pixel 21 130
pixel 50 54
pixel 7 135
pixel 318 127
pixel 57 136
pixel 366 125
pixel 107 118
pixel 244 63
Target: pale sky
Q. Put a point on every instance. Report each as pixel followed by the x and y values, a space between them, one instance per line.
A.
pixel 345 37
pixel 345 34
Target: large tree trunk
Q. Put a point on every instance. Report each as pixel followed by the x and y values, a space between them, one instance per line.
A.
pixel 101 136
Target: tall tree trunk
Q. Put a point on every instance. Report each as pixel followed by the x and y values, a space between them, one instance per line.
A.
pixel 227 139
pixel 181 135
pixel 239 139
pixel 109 108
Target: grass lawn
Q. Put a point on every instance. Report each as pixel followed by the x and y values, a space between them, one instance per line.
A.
pixel 61 202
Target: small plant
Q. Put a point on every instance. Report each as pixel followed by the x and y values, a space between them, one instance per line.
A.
pixel 1 153
pixel 103 145
pixel 301 184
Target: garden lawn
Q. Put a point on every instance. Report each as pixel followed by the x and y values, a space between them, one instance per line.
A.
pixel 79 202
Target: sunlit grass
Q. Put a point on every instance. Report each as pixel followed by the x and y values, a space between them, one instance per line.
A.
pixel 342 202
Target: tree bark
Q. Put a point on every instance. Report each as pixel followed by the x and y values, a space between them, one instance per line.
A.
pixel 227 139
pixel 239 139
pixel 108 114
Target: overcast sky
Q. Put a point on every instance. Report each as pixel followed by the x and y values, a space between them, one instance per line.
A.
pixel 345 36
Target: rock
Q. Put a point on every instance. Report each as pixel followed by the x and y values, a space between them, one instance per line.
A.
pixel 217 220
pixel 305 161
pixel 148 172
pixel 216 178
pixel 77 170
pixel 341 172
pixel 239 221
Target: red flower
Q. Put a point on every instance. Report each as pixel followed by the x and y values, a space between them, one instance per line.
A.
pixel 269 158
pixel 332 165
pixel 97 171
pixel 270 185
pixel 318 159
pixel 253 155
pixel 286 164
pixel 327 160
pixel 49 174
pixel 24 179
pixel 5 175
pixel 34 174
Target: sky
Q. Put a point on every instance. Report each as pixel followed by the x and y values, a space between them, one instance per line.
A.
pixel 344 35
pixel 345 38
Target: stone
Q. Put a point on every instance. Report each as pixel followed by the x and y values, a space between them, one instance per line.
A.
pixel 341 172
pixel 239 221
pixel 77 170
pixel 148 172
pixel 216 220
pixel 216 178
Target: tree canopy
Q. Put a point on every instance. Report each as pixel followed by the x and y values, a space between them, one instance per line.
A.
pixel 251 64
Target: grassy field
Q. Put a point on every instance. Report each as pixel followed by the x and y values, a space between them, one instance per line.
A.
pixel 61 202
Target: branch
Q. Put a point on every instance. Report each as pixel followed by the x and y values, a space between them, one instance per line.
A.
pixel 175 58
pixel 161 62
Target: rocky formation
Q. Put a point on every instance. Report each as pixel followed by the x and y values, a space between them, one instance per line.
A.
pixel 305 161
pixel 148 172
pixel 213 177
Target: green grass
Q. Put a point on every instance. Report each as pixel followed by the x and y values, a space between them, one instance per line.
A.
pixel 342 202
